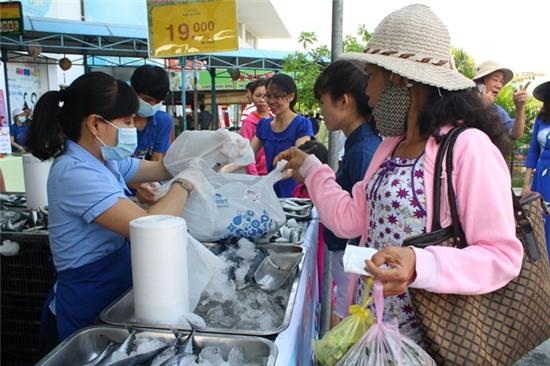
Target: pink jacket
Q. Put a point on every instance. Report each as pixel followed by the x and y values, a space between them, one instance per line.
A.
pixel 483 191
pixel 248 131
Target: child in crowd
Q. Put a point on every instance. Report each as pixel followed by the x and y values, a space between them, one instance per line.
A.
pixel 341 90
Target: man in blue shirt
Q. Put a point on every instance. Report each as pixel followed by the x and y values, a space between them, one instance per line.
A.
pixel 154 125
pixel 490 78
pixel 19 128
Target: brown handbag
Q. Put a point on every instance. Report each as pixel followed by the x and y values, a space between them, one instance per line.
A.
pixel 496 328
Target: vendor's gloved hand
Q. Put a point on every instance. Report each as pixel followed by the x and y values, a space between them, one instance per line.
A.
pixel 146 193
pixel 195 177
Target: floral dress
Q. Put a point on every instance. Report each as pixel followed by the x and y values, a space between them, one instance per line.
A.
pixel 397 210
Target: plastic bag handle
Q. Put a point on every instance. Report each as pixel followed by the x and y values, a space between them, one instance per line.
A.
pixel 378 291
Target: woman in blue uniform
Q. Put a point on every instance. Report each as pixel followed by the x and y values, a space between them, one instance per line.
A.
pixel 89 129
pixel 538 157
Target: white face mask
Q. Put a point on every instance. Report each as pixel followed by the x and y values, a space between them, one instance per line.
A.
pixel 147 110
pixel 126 144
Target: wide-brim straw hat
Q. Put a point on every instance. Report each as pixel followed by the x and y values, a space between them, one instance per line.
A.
pixel 488 67
pixel 413 42
pixel 541 90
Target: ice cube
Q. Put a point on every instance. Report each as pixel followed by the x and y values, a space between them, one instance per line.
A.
pixel 236 356
pixel 212 354
pixel 247 249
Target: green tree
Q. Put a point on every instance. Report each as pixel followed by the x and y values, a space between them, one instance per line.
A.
pixel 465 63
pixel 307 39
pixel 364 33
pixel 305 66
pixel 506 100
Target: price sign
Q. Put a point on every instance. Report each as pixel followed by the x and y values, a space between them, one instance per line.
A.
pixel 11 18
pixel 179 28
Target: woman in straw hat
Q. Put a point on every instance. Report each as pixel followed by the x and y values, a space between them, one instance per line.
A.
pixel 418 96
pixel 490 78
pixel 538 158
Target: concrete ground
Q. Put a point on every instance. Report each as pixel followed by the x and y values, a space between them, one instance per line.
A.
pixel 540 356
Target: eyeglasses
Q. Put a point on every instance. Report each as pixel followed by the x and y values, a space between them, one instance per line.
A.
pixel 275 96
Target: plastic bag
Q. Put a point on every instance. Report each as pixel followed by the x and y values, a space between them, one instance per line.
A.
pixel 334 345
pixel 214 147
pixel 383 345
pixel 231 205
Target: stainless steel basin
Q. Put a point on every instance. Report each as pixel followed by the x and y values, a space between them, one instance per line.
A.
pixel 89 342
pixel 121 311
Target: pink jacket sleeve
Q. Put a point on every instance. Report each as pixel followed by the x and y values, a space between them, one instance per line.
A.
pixel 248 131
pixel 494 255
pixel 343 214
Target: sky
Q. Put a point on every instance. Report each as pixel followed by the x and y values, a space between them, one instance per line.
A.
pixel 514 33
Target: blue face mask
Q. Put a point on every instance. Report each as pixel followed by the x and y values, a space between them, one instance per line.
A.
pixel 147 110
pixel 125 147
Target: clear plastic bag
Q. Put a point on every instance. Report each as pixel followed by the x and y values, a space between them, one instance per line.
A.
pixel 334 345
pixel 383 345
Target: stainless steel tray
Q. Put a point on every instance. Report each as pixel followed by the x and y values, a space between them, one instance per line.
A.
pixel 85 345
pixel 121 311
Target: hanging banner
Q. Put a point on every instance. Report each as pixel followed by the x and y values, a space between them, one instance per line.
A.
pixel 27 82
pixel 180 27
pixel 5 140
pixel 11 18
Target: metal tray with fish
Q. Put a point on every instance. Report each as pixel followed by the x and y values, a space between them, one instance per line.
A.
pixel 90 344
pixel 121 311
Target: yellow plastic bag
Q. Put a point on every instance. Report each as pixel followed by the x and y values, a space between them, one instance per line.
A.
pixel 336 342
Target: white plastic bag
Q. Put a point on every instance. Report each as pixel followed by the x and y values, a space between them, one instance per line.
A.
pixel 214 147
pixel 383 345
pixel 202 266
pixel 243 206
pixel 231 205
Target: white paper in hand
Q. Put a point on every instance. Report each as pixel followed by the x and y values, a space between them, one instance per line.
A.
pixel 355 257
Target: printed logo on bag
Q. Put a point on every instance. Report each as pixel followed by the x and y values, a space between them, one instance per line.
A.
pixel 251 226
pixel 254 196
pixel 221 202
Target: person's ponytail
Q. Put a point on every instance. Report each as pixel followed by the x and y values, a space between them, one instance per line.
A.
pixel 91 93
pixel 45 138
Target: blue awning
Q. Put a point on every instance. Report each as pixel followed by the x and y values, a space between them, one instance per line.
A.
pixel 75 27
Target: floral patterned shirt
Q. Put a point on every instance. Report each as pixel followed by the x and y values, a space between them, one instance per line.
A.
pixel 397 210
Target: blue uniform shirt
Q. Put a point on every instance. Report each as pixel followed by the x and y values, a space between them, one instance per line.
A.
pixel 276 142
pixel 359 149
pixel 504 117
pixel 155 137
pixel 19 133
pixel 80 188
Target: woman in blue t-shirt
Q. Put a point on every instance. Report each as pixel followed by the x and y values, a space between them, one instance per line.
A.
pixel 92 137
pixel 283 131
pixel 276 134
pixel 537 163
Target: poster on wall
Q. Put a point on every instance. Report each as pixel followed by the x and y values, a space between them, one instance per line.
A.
pixel 5 145
pixel 27 83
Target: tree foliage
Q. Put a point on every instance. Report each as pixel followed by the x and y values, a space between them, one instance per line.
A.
pixel 464 63
pixel 506 100
pixel 306 65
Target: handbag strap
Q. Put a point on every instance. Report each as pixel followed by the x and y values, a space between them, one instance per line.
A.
pixel 446 152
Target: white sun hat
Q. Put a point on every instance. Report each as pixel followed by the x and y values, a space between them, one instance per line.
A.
pixel 488 67
pixel 413 42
